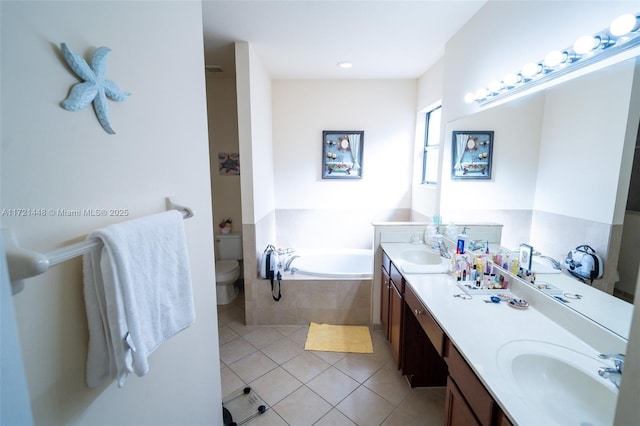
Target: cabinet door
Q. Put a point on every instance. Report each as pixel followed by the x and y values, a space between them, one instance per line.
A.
pixel 385 289
pixel 457 412
pixel 395 322
pixel 476 395
pixel 421 362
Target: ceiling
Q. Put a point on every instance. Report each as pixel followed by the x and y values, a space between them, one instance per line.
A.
pixel 305 39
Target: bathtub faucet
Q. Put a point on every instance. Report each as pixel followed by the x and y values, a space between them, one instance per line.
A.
pixel 287 264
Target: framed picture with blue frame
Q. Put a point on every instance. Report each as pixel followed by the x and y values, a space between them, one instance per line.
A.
pixel 471 154
pixel 342 154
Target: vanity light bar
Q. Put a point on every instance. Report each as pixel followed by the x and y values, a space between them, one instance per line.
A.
pixel 623 34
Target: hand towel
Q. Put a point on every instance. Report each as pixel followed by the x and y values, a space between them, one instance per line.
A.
pixel 138 294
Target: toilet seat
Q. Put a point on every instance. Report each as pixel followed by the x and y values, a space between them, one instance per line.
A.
pixel 225 270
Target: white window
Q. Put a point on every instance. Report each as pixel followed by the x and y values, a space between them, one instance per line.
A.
pixel 431 146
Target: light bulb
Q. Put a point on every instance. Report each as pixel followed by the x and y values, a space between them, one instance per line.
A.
pixel 585 44
pixel 495 86
pixel 511 79
pixel 469 97
pixel 554 58
pixel 530 69
pixel 623 25
pixel 481 93
pixel 345 65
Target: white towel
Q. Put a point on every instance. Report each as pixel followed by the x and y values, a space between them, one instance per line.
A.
pixel 138 293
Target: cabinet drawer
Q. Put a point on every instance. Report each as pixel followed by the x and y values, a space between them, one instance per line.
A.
pixel 470 386
pixel 396 277
pixel 386 262
pixel 428 324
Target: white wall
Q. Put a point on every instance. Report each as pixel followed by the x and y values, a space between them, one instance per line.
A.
pixel 52 158
pixel 254 130
pixel 320 211
pixel 302 109
pixel 316 212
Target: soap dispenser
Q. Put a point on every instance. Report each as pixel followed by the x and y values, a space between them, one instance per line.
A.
pixel 462 241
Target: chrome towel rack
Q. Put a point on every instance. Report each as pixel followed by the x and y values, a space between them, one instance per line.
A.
pixel 24 263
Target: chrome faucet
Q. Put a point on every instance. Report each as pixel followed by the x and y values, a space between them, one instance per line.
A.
pixel 613 374
pixel 287 264
pixel 444 251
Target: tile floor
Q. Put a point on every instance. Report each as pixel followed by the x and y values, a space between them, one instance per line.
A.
pixel 318 388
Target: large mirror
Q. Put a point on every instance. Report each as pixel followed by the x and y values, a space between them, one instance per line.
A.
pixel 563 160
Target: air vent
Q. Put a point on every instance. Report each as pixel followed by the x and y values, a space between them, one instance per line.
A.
pixel 214 68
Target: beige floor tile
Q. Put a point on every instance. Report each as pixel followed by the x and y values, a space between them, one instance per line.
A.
pixel 263 336
pixel 333 385
pixel 305 366
pixel 225 335
pixel 381 348
pixel 329 357
pixel 358 366
pixel 421 407
pixel 335 418
pixel 241 328
pixel 365 407
pixel 283 350
pixel 300 336
pixel 269 418
pixel 303 407
pixel 287 329
pixel 389 384
pixel 275 385
pixel 253 366
pixel 234 350
pixel 230 381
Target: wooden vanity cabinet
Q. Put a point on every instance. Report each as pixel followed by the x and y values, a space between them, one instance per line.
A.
pixel 391 305
pixel 466 395
pixel 457 411
pixel 396 304
pixel 423 345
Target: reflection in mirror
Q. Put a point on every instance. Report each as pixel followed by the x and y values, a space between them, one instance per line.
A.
pixel 563 162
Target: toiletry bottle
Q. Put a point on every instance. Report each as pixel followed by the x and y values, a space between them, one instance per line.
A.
pixel 473 273
pixel 462 241
pixel 515 268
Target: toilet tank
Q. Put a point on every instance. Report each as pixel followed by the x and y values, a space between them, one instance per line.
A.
pixel 229 246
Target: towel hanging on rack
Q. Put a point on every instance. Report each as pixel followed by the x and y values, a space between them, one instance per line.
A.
pixel 137 294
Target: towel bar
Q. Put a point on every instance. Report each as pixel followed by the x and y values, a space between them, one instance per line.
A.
pixel 24 263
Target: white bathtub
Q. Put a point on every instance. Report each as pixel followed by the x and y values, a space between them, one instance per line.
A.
pixel 339 264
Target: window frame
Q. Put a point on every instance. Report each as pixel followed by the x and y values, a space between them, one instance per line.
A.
pixel 432 147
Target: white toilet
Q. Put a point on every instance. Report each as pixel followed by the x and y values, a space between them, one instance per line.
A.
pixel 227 267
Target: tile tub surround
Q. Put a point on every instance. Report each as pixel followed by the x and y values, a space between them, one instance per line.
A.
pixel 304 300
pixel 321 388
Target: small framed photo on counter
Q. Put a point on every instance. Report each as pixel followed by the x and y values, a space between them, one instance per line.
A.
pixel 526 255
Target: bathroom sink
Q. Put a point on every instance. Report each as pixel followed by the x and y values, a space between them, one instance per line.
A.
pixel 422 257
pixel 423 261
pixel 558 382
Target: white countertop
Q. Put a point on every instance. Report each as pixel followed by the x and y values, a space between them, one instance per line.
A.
pixel 480 329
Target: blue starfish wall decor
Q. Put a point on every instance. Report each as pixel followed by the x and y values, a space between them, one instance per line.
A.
pixel 95 87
